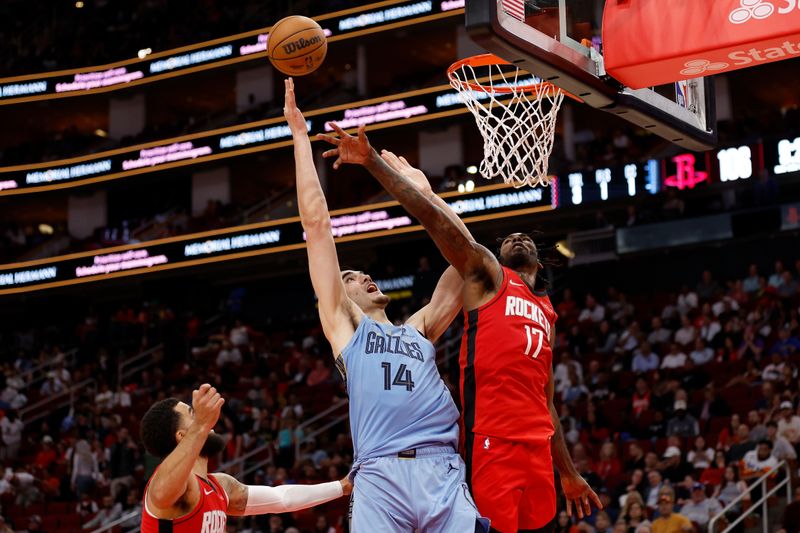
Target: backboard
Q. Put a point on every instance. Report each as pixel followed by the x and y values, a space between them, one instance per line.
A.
pixel 560 41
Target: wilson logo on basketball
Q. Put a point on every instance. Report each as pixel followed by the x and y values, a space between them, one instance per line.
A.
pixel 299 44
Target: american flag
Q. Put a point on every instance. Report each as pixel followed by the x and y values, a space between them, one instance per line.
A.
pixel 515 8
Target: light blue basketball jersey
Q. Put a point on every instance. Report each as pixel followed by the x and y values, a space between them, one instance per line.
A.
pixel 398 401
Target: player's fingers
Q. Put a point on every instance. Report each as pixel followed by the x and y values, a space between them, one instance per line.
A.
pixel 219 403
pixel 569 507
pixel 578 508
pixel 405 161
pixel 203 388
pixel 338 130
pixel 337 163
pixel 330 153
pixel 329 138
pixel 390 159
pixel 586 507
pixel 362 133
pixel 596 499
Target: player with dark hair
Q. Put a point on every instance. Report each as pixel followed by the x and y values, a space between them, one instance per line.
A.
pixel 182 496
pixel 407 472
pixel 510 425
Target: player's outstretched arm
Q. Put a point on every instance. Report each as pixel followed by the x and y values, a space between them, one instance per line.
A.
pixel 247 500
pixel 473 261
pixel 433 319
pixel 171 480
pixel 577 492
pixel 337 312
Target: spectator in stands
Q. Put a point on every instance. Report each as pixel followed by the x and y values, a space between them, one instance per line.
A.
pixel 774 370
pixel 229 354
pixel 11 430
pixel 606 339
pixel 743 444
pixel 633 513
pixel 4 527
pixel 52 386
pixel 730 488
pixel 687 333
pixel 85 469
pixel 787 344
pixel 644 359
pixel 701 456
pixel 133 507
pixel 669 521
pixel 700 509
pixel 34 525
pixel 239 334
pixel 789 424
pixel 750 283
pixel 712 476
pixel 758 431
pixel 675 359
pixel 609 465
pixel 655 483
pixel 708 287
pixel 602 522
pixel 107 514
pixel 687 301
pixel 564 524
pixel 562 370
pixel 320 374
pixel 788 288
pixel 759 461
pixel 776 279
pixel 751 346
pixel 575 390
pixel 635 459
pixel 593 312
pixel 712 406
pixel 673 467
pixel 791 515
pixel 46 454
pixel 659 335
pixel 701 354
pixel 682 424
pixel 122 462
pixel 641 398
pixel 781 448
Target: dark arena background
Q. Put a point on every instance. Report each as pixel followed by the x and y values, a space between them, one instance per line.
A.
pixel 150 242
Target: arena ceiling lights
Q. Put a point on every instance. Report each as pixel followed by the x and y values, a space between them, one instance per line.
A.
pixel 346 24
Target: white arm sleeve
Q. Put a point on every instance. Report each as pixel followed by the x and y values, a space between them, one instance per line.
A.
pixel 288 498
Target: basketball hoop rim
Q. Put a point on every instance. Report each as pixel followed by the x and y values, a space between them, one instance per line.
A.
pixel 540 89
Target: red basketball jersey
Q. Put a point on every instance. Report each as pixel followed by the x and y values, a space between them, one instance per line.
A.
pixel 506 362
pixel 208 516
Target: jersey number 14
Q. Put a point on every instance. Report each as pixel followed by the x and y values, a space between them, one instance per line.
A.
pixel 401 379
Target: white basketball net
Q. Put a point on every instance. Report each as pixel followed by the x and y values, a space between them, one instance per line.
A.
pixel 518 127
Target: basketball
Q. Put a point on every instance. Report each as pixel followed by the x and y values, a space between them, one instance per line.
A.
pixel 297 46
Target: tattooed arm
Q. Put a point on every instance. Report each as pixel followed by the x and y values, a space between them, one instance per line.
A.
pixel 473 261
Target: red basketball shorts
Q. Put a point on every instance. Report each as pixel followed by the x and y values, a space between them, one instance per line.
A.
pixel 512 482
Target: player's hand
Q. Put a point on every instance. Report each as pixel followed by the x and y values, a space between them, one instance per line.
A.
pixel 297 123
pixel 207 403
pixel 349 149
pixel 404 168
pixel 579 494
pixel 347 486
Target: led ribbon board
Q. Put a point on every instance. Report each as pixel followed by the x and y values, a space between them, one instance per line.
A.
pixel 378 113
pixel 367 222
pixel 218 53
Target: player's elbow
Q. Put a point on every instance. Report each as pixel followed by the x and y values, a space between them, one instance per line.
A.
pixel 317 224
pixel 160 497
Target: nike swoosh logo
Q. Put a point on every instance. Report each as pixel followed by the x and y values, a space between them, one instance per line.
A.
pixel 208 492
pixel 517 284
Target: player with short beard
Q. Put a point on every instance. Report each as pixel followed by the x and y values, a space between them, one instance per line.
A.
pixel 511 434
pixel 182 497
